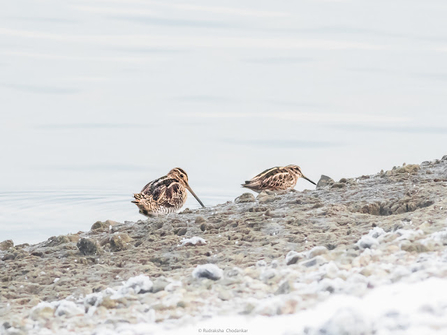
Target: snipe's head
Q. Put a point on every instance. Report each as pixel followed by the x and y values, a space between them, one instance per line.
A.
pixel 182 177
pixel 296 170
pixel 179 174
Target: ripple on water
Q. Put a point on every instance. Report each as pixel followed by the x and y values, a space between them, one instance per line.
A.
pixel 33 216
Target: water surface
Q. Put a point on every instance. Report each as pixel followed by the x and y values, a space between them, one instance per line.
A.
pixel 100 97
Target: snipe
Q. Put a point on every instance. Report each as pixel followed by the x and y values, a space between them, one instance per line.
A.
pixel 276 178
pixel 164 195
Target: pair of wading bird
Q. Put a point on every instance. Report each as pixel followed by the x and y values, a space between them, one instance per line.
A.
pixel 168 193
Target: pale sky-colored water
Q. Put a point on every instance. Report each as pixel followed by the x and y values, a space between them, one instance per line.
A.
pixel 99 97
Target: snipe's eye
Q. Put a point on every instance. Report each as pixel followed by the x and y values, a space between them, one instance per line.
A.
pixel 181 176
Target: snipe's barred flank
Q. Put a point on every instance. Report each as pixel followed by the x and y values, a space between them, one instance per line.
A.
pixel 164 195
pixel 276 178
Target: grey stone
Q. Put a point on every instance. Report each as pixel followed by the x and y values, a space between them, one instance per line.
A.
pixel 200 220
pixel 319 250
pixel 284 288
pixel 325 181
pixel 119 241
pixel 88 246
pixel 246 197
pixel 5 245
pixel 159 284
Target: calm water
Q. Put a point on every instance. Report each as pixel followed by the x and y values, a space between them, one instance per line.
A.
pixel 100 97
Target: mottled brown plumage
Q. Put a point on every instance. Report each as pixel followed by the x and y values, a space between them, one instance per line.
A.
pixel 164 195
pixel 276 178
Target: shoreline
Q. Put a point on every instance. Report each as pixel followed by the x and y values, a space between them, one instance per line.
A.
pixel 277 255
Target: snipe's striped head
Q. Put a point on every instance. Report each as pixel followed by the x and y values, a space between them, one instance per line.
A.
pixel 296 170
pixel 182 177
pixel 179 174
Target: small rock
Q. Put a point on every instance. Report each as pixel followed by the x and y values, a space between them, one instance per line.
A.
pixel 413 246
pixel 9 256
pixel 264 197
pixel 108 303
pixel 246 197
pixel 284 288
pixel 195 240
pixel 5 245
pixel 182 304
pixel 88 246
pixel 210 271
pixel 225 295
pixel 314 261
pixel 119 241
pixel 410 168
pixel 68 308
pixel 372 208
pixel 289 307
pixel 325 181
pixel 346 321
pixel 331 270
pixel 43 310
pixel 99 225
pixel 292 257
pixel 58 240
pixel 37 253
pixel 200 219
pixel 159 284
pixel 182 231
pixel 319 250
pixel 139 284
pixel 367 242
pixel 261 263
pixel 267 275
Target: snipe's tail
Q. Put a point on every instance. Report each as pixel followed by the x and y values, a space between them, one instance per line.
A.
pixel 138 197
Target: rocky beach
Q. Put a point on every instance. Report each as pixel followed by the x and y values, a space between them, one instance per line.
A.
pixel 364 255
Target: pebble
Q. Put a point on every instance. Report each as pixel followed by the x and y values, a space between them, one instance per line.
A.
pixel 182 231
pixel 225 294
pixel 244 198
pixel 316 251
pixel 325 181
pixel 120 241
pixel 261 263
pixel 264 197
pixel 5 245
pixel 209 271
pixel 283 288
pixel 160 284
pixel 200 220
pixel 293 257
pixel 88 246
pixel 367 242
pixel 43 310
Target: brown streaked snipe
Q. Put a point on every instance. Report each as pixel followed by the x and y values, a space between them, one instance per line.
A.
pixel 164 195
pixel 276 178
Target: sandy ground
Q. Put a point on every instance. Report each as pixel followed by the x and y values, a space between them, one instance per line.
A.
pixel 276 256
